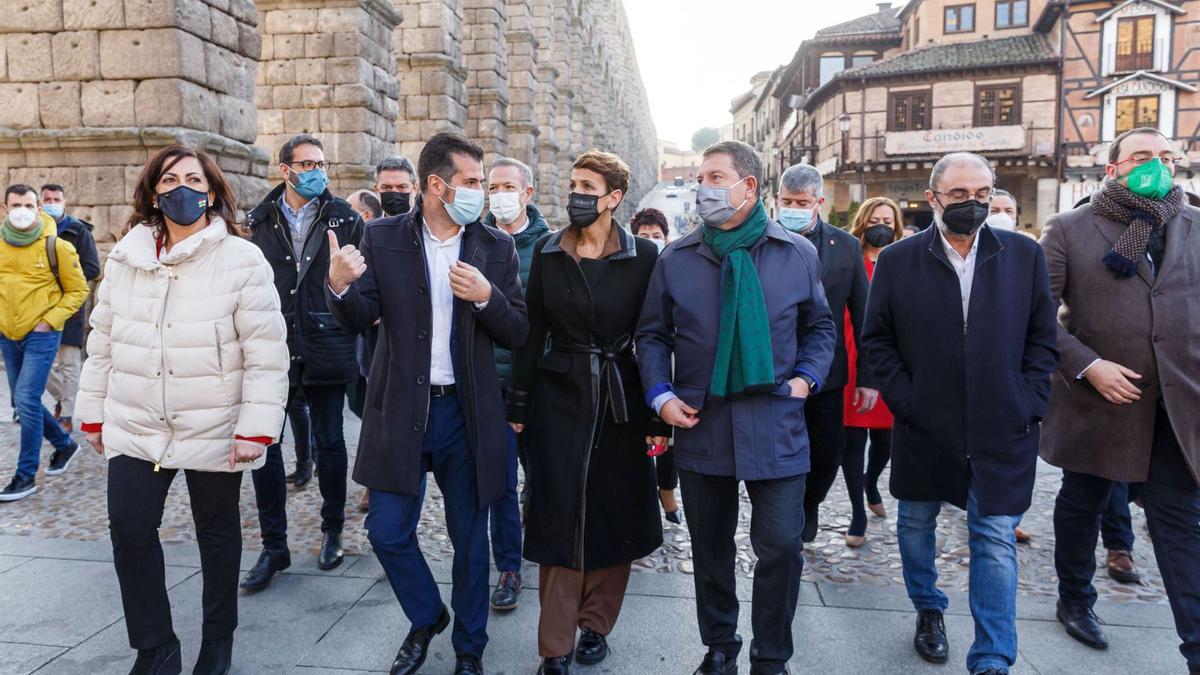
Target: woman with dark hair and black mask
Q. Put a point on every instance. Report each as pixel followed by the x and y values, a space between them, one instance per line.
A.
pixel 592 500
pixel 187 369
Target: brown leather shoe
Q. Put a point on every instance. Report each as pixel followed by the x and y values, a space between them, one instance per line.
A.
pixel 1121 567
pixel 1023 537
pixel 364 503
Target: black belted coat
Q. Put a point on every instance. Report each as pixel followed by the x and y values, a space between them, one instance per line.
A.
pixel 592 498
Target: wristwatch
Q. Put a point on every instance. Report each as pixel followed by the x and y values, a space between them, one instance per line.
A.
pixel 812 384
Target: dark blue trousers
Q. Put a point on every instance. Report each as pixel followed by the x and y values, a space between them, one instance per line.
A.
pixel 392 530
pixel 1116 523
pixel 506 517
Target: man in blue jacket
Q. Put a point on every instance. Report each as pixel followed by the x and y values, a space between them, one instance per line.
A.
pixel 738 308
pixel 64 375
pixel 961 334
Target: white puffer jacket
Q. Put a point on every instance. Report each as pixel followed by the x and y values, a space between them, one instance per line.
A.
pixel 186 353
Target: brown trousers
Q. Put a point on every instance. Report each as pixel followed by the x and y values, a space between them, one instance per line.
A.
pixel 571 598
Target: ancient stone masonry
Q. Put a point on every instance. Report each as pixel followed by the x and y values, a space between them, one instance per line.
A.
pixel 328 69
pixel 92 88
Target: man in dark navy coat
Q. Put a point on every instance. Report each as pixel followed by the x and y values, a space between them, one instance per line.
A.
pixel 447 290
pixel 961 334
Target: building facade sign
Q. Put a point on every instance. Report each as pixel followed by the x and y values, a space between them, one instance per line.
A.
pixel 1071 191
pixel 971 139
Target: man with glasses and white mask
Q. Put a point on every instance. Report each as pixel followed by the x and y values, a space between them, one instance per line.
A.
pixel 1126 268
pixel 965 367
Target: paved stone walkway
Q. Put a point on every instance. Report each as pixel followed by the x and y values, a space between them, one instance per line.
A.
pixel 72 506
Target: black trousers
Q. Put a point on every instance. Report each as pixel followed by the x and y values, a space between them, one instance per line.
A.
pixel 297 414
pixel 325 405
pixel 826 440
pixel 777 506
pixel 1172 502
pixel 136 496
pixel 858 482
pixel 664 471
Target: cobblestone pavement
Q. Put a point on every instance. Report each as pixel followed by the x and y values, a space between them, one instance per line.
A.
pixel 73 506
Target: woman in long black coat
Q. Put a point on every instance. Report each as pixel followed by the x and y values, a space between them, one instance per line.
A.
pixel 592 500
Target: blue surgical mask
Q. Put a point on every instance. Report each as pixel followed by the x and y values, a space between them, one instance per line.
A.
pixel 55 211
pixel 801 221
pixel 712 204
pixel 311 184
pixel 467 205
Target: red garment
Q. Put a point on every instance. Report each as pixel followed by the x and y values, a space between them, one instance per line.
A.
pixel 879 417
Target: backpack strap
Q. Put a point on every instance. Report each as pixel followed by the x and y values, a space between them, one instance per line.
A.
pixel 52 257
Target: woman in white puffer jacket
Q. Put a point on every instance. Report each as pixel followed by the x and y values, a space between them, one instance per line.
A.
pixel 187 370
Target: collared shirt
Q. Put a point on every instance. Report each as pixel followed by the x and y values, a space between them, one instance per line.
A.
pixel 439 257
pixel 298 222
pixel 964 267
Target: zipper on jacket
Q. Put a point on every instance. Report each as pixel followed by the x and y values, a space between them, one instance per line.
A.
pixel 162 352
pixel 220 358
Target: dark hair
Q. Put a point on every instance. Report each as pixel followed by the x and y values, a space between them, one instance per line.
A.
pixel 437 157
pixel 744 157
pixel 395 164
pixel 614 171
pixel 54 187
pixel 224 203
pixel 19 189
pixel 288 152
pixel 371 202
pixel 649 218
pixel 1114 150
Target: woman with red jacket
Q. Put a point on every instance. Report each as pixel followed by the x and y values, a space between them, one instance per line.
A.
pixel 877 224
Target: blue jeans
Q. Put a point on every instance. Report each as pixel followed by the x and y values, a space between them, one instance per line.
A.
pixel 993 576
pixel 392 530
pixel 27 362
pixel 506 517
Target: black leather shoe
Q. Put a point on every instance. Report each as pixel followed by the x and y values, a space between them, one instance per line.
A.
pixel 331 551
pixel 592 648
pixel 416 646
pixel 508 591
pixel 216 657
pixel 465 664
pixel 259 576
pixel 717 663
pixel 164 659
pixel 302 475
pixel 1082 624
pixel 930 639
pixel 555 665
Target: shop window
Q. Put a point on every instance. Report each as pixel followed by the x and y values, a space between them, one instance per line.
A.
pixel 997 105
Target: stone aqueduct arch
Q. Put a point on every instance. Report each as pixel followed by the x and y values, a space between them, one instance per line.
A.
pixel 91 88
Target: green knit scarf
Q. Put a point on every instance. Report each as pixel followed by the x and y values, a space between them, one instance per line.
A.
pixel 15 237
pixel 743 362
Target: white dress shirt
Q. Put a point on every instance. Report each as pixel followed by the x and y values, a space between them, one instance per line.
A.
pixel 439 257
pixel 964 267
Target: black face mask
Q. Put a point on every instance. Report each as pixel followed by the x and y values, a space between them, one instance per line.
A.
pixel 183 205
pixel 965 217
pixel 879 235
pixel 395 203
pixel 581 209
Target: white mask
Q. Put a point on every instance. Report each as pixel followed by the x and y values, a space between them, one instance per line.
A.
pixel 22 219
pixel 1001 221
pixel 506 206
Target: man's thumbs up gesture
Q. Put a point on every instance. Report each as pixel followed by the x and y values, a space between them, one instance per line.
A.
pixel 346 265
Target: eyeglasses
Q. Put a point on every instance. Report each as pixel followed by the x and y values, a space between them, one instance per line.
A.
pixel 959 195
pixel 1140 158
pixel 309 165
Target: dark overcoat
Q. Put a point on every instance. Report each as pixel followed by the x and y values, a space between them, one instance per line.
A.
pixel 753 437
pixel 968 396
pixel 1148 323
pixel 844 277
pixel 322 352
pixel 395 288
pixel 593 501
pixel 79 233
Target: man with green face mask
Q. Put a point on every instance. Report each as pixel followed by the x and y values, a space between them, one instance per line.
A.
pixel 1126 268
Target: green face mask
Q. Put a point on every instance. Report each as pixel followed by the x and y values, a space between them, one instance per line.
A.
pixel 1152 180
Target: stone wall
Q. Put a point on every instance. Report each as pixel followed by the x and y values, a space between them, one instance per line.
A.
pixel 93 87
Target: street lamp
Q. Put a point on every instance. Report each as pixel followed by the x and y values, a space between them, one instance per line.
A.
pixel 844 125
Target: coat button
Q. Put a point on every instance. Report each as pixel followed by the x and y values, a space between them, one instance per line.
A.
pixel 417 427
pixel 420 379
pixel 288 258
pixel 292 292
pixel 1158 338
pixel 171 372
pixel 421 290
pixel 422 335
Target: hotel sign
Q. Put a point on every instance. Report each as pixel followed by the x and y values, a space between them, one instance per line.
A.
pixel 1072 190
pixel 937 141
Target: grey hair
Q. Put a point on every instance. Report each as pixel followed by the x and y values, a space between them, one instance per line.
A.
pixel 955 159
pixel 744 158
pixel 521 167
pixel 997 192
pixel 803 178
pixel 396 164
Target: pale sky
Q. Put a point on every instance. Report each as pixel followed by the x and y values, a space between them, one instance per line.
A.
pixel 697 55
